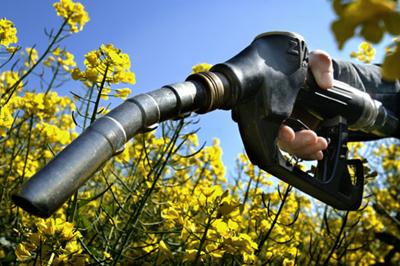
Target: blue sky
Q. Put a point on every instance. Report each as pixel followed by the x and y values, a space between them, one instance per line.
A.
pixel 166 38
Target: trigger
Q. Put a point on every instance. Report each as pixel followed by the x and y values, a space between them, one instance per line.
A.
pixel 295 124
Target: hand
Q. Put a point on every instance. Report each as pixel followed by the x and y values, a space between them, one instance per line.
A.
pixel 305 144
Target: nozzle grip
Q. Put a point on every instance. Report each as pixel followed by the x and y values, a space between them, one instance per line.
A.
pixel 362 112
pixel 282 60
pixel 332 182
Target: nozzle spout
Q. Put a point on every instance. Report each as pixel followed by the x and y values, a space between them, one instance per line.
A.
pixel 54 184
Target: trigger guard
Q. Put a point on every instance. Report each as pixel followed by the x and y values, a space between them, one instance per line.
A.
pixel 295 124
pixel 331 186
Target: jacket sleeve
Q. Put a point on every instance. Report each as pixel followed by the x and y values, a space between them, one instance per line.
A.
pixel 368 78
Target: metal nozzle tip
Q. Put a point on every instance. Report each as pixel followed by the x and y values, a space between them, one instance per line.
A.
pixel 30 207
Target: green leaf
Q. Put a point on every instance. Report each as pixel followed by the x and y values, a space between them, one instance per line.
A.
pixel 372 31
pixel 343 31
pixel 338 7
pixel 391 66
pixel 392 23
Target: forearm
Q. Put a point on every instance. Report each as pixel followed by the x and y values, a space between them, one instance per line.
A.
pixel 369 78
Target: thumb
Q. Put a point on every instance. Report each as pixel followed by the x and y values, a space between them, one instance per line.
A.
pixel 321 66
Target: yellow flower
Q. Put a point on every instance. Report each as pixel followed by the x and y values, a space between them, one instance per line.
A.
pixel 32 56
pixel 244 243
pixel 164 249
pixel 190 255
pixel 41 225
pixel 221 227
pixel 214 251
pixel 107 62
pixel 211 192
pixel 192 138
pixel 76 74
pixel 189 228
pixel 366 52
pixel 287 262
pixel 46 226
pixel 227 205
pixel 92 59
pixel 22 253
pixel 170 213
pixel 233 225
pixel 51 227
pixel 91 75
pixel 107 255
pixel 249 258
pixel 125 77
pixel 8 33
pixel 54 133
pixel 62 58
pixel 8 79
pixel 201 67
pixel 123 93
pixel 67 230
pixel 73 12
pixel 6 119
pixel 12 50
pixel 73 247
pixel 104 93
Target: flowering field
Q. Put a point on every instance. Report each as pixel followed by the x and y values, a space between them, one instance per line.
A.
pixel 165 200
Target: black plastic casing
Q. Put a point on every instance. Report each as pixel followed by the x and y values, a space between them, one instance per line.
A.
pixel 268 76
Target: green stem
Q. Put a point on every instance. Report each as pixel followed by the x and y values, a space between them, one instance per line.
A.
pixel 14 152
pixel 27 148
pixel 96 104
pixel 136 214
pixel 53 79
pixel 335 245
pixel 203 239
pixel 88 106
pixel 246 195
pixel 266 236
pixel 10 58
pixel 13 88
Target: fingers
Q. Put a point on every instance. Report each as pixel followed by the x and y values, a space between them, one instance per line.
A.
pixel 321 66
pixel 286 134
pixel 304 144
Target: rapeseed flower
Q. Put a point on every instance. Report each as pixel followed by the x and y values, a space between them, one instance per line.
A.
pixel 366 52
pixel 202 67
pixel 8 32
pixel 107 64
pixel 74 13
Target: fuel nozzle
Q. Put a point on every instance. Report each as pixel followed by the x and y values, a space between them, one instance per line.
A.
pixel 271 62
pixel 262 84
pixel 362 112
